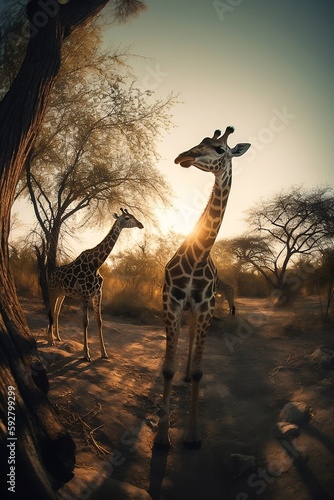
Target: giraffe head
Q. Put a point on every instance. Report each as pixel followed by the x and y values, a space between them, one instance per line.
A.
pixel 127 220
pixel 212 154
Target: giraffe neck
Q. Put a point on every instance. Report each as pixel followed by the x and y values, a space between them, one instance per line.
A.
pixel 100 252
pixel 200 242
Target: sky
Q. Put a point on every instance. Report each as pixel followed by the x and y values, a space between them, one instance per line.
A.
pixel 264 67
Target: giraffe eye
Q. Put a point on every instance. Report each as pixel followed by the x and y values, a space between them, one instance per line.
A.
pixel 219 150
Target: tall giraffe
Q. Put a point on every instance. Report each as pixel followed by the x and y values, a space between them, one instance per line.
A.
pixel 225 290
pixel 190 277
pixel 81 278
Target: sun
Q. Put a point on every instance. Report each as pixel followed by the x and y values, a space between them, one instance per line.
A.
pixel 180 219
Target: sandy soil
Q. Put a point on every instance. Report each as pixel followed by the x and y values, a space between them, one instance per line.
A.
pixel 254 364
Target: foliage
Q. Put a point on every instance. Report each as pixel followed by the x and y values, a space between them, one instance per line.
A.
pixel 227 265
pixel 135 278
pixel 291 224
pixel 122 10
pixel 96 150
pixel 23 265
pixel 97 147
pixel 12 47
pixel 246 281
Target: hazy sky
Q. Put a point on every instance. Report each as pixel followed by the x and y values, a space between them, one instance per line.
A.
pixel 265 67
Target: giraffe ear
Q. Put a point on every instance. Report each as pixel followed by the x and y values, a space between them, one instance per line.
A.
pixel 116 216
pixel 240 149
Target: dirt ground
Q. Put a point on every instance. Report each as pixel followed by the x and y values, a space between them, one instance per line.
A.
pixel 254 364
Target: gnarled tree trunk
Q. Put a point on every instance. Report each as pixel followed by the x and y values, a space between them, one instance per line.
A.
pixel 43 450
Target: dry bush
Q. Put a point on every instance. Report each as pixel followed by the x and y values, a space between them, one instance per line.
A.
pixel 24 269
pixel 131 294
pixel 133 282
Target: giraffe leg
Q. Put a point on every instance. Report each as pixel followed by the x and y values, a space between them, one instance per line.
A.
pixel 53 300
pixel 193 437
pixel 59 303
pixel 96 300
pixel 162 439
pixel 85 321
pixel 192 331
pixel 229 295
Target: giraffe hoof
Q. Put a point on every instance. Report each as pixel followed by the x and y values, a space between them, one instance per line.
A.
pixel 88 358
pixel 197 375
pixel 192 445
pixel 168 374
pixel 105 356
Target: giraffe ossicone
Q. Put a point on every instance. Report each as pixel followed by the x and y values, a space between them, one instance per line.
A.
pixel 82 279
pixel 190 278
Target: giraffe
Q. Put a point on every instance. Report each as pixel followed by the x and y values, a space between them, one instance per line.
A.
pixel 81 278
pixel 190 278
pixel 225 290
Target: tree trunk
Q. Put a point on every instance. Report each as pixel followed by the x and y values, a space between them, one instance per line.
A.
pixel 52 246
pixel 45 254
pixel 42 274
pixel 44 451
pixel 46 260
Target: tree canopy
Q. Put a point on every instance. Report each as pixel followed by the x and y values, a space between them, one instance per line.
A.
pixel 296 222
pixel 97 146
pixel 96 149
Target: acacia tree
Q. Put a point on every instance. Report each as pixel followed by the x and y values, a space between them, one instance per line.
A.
pixel 96 149
pixel 44 451
pixel 228 267
pixel 291 224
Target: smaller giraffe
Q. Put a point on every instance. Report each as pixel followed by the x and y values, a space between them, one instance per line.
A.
pixel 225 290
pixel 82 279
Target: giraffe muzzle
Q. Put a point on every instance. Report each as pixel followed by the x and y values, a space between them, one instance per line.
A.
pixel 184 160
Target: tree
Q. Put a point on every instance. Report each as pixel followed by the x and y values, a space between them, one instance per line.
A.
pixel 95 149
pixel 228 267
pixel 293 223
pixel 44 451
